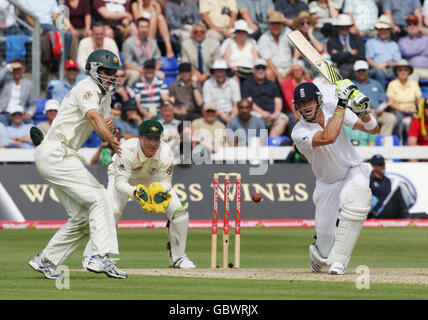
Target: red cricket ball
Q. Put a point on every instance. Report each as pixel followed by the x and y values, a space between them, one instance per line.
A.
pixel 257 197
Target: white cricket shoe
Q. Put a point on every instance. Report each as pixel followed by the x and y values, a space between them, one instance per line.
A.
pixel 85 262
pixel 99 264
pixel 43 265
pixel 183 263
pixel 337 269
pixel 316 261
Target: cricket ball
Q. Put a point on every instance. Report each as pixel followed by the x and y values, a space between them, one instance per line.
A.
pixel 257 197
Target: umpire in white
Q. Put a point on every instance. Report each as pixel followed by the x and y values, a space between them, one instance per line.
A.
pixel 342 196
pixel 84 109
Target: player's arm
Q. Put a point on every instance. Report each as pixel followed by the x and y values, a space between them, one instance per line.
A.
pixel 366 124
pixel 331 131
pixel 101 127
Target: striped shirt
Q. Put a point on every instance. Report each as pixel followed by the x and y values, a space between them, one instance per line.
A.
pixel 150 93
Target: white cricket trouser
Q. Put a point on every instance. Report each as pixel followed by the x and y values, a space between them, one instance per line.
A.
pixel 119 202
pixel 84 199
pixel 328 199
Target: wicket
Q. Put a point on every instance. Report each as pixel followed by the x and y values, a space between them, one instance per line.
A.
pixel 226 176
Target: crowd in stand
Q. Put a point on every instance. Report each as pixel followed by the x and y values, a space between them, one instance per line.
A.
pixel 236 67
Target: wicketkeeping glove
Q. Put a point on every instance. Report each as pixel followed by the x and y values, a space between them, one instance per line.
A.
pixel 344 89
pixel 159 197
pixel 143 198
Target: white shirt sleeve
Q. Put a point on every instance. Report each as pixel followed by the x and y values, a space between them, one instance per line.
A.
pixel 123 170
pixel 87 100
pixel 302 137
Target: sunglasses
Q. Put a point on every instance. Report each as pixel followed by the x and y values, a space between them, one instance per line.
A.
pixel 412 23
pixel 260 68
pixel 71 69
pixel 305 22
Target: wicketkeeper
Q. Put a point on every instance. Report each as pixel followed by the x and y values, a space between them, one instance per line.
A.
pixel 144 173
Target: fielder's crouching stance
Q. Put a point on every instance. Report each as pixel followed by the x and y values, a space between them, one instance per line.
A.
pixel 144 172
pixel 342 196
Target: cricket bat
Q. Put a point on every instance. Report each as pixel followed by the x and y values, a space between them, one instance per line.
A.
pixel 313 56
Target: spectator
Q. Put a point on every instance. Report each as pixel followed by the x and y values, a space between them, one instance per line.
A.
pixel 152 11
pixel 425 16
pixel 149 91
pixel 170 125
pixel 18 132
pixel 241 52
pixel 419 126
pixel 240 126
pixel 294 77
pixel 103 156
pixel 8 24
pixel 80 17
pixel 115 16
pixel 138 49
pixel 404 95
pixel 376 93
pixel 414 49
pixel 51 110
pixel 364 15
pixel 324 11
pixel 223 91
pixel 387 201
pixel 345 48
pixel 181 15
pixel 398 11
pixel 97 40
pixel 305 24
pixel 255 13
pixel 129 121
pixel 3 136
pixel 294 156
pixel 200 52
pixel 122 94
pixel 267 100
pixel 219 16
pixel 290 9
pixel 186 94
pixel 360 138
pixel 16 90
pixel 48 12
pixel 382 53
pixel 208 132
pixel 59 88
pixel 275 48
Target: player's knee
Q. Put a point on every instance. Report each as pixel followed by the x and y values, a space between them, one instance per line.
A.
pixel 357 203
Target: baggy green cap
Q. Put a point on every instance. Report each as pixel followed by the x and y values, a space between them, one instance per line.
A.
pixel 152 128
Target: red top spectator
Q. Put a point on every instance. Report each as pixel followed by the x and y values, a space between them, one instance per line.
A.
pixel 419 126
pixel 294 77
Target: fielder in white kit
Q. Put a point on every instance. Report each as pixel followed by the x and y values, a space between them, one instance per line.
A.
pixel 86 201
pixel 342 196
pixel 144 172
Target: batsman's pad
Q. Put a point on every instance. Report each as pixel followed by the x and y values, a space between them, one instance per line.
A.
pixel 36 135
pixel 352 216
pixel 159 197
pixel 142 195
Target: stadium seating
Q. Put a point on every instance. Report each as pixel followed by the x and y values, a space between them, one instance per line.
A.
pixel 170 69
pixel 279 141
pixel 39 115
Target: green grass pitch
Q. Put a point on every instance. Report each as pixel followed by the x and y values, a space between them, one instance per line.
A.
pixel 260 248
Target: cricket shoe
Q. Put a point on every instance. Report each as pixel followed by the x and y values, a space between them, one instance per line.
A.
pixel 337 269
pixel 43 265
pixel 316 261
pixel 182 263
pixel 99 264
pixel 85 262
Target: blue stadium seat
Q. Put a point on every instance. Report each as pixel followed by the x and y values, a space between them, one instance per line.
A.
pixel 39 116
pixel 170 69
pixel 277 141
pixel 93 141
pixel 388 140
pixel 424 90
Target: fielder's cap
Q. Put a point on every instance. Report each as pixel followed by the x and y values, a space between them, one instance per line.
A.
pixel 343 20
pixel 51 104
pixel 70 64
pixel 412 18
pixel 383 22
pixel 361 65
pixel 150 128
pixel 150 64
pixel 129 105
pixel 305 91
pixel 17 108
pixel 377 159
pixel 209 106
pixel 184 67
pixel 260 62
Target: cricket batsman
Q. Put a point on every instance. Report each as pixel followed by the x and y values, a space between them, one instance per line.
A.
pixel 87 203
pixel 342 196
pixel 144 172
